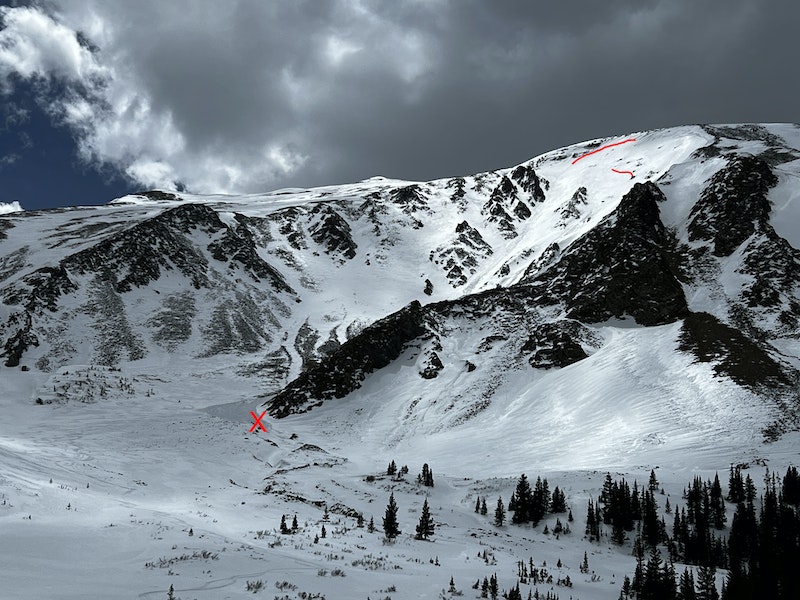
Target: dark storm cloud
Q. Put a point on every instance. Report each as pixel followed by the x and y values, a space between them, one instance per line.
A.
pixel 245 96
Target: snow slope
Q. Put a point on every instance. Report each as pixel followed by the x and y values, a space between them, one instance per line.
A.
pixel 131 427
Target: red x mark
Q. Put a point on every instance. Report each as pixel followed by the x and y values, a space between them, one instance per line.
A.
pixel 258 422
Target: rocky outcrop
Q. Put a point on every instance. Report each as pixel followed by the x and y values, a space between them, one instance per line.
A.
pixel 735 355
pixel 733 205
pixel 555 345
pixel 460 258
pixel 331 231
pixel 342 372
pixel 505 208
pixel 621 267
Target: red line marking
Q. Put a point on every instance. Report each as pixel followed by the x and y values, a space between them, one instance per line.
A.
pixel 603 148
pixel 623 172
pixel 258 422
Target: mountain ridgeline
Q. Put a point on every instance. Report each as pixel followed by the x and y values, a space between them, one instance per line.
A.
pixel 459 286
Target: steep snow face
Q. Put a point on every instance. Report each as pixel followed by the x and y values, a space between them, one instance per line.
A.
pixel 293 274
pixel 294 287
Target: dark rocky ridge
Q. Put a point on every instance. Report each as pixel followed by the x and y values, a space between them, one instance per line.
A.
pixel 344 370
pixel 734 204
pixel 622 267
pixel 736 355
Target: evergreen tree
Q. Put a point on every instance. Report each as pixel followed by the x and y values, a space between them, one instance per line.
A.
pixel 323 533
pixel 425 526
pixel 559 502
pixel 171 593
pixel 706 586
pixel 360 520
pixel 294 524
pixel 371 526
pixel 392 468
pixel 390 526
pixel 493 589
pixel 653 484
pixel 485 588
pixel 284 527
pixel 499 513
pixel 477 505
pixel 540 501
pixel 522 500
pixel 585 564
pixel 592 527
pixel 483 506
pixel 686 589
pixel 426 477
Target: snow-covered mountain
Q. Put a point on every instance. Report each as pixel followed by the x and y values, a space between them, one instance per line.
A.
pixel 618 303
pixel 473 279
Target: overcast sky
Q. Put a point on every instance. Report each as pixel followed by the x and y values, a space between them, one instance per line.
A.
pixel 101 97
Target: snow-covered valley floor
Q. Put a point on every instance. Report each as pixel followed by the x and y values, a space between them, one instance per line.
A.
pixel 98 499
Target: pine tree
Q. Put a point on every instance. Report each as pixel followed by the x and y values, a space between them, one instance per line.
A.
pixel 592 527
pixel 706 586
pixel 499 513
pixel 323 533
pixel 390 525
pixel 653 484
pixel 686 589
pixel 425 526
pixel 371 526
pixel 284 527
pixel 493 589
pixel 294 524
pixel 585 564
pixel 171 593
pixel 483 506
pixel 360 520
pixel 392 468
pixel 485 588
pixel 559 502
pixel 522 500
pixel 477 505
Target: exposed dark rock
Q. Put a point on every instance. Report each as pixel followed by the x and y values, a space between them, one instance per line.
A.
pixel 738 357
pixel 572 209
pixel 503 202
pixel 19 341
pixel 5 225
pixel 542 262
pixel 528 181
pixel 458 185
pixel 341 373
pixel 470 366
pixel 461 257
pixel 622 267
pixel 428 288
pixel 410 198
pixel 431 367
pixel 733 205
pixel 42 289
pixel 555 345
pixel 329 229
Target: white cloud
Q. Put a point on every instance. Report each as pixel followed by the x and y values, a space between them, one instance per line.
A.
pixel 10 207
pixel 33 44
pixel 242 96
pixel 220 100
